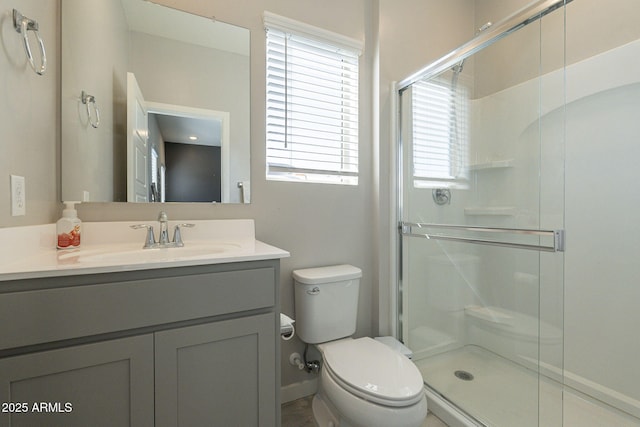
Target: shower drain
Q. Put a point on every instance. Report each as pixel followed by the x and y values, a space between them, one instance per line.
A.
pixel 464 375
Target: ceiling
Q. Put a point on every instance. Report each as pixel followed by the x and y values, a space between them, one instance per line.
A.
pixel 150 18
pixel 179 129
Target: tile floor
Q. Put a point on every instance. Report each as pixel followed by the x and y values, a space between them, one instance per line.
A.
pixel 298 414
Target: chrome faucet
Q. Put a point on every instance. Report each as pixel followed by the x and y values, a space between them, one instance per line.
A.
pixel 164 231
pixel 150 239
pixel 177 235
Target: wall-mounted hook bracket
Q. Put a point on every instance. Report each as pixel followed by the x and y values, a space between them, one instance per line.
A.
pixel 88 101
pixel 22 24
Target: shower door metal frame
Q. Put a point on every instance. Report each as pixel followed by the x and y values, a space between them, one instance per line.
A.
pixel 483 39
pixel 496 32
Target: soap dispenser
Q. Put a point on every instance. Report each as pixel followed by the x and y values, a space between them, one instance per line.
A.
pixel 68 227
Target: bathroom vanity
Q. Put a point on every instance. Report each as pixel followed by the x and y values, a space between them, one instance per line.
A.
pixel 175 339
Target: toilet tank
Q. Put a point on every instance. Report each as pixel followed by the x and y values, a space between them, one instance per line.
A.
pixel 326 301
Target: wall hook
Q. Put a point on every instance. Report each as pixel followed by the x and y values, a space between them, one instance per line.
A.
pixel 22 24
pixel 89 100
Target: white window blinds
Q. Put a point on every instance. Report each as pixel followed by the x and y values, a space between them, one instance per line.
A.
pixel 440 134
pixel 312 109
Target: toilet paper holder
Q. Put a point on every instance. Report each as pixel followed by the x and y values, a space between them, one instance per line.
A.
pixel 287 330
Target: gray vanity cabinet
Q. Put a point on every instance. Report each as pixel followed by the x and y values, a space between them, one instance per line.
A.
pixel 216 374
pixel 109 383
pixel 186 346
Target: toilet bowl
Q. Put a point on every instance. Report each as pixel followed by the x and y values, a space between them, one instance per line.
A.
pixel 363 382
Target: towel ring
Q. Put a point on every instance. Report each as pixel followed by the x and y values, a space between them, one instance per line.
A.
pixel 89 100
pixel 22 24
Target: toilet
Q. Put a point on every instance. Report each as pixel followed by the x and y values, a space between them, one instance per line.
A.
pixel 363 382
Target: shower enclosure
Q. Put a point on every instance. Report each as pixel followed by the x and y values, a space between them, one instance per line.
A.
pixel 512 151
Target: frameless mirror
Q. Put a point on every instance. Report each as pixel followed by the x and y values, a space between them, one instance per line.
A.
pixel 155 105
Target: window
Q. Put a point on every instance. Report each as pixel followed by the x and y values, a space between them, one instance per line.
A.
pixel 312 104
pixel 440 133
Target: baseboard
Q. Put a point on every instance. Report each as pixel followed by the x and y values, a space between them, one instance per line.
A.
pixel 291 392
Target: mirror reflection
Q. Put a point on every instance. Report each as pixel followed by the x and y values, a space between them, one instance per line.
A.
pixel 172 93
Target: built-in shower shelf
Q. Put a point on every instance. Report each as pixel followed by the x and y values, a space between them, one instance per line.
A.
pixel 490 314
pixel 494 164
pixel 490 210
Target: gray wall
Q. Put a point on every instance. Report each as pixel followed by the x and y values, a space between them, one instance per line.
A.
pixel 29 115
pixel 98 65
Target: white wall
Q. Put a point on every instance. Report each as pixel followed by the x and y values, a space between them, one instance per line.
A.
pixel 602 289
pixel 601 273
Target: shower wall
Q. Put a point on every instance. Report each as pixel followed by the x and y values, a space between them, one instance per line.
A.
pixel 602 288
pixel 602 285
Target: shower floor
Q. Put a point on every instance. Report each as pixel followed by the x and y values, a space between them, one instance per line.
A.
pixel 504 394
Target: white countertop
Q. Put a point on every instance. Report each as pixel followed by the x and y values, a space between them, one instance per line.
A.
pixel 114 247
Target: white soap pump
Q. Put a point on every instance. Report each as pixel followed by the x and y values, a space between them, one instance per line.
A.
pixel 68 227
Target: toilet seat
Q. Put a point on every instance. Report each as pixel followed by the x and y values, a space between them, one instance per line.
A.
pixel 373 371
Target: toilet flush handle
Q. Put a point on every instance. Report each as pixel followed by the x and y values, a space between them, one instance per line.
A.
pixel 314 291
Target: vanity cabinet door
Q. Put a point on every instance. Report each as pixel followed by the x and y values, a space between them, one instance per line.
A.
pixel 217 374
pixel 109 383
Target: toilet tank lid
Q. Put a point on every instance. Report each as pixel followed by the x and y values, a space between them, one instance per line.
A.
pixel 333 273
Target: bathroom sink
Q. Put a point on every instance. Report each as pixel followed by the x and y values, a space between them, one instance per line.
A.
pixel 114 247
pixel 120 255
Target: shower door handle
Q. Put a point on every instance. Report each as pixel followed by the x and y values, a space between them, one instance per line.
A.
pixel 411 229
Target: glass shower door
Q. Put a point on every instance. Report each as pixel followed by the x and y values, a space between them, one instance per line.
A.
pixel 482 216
